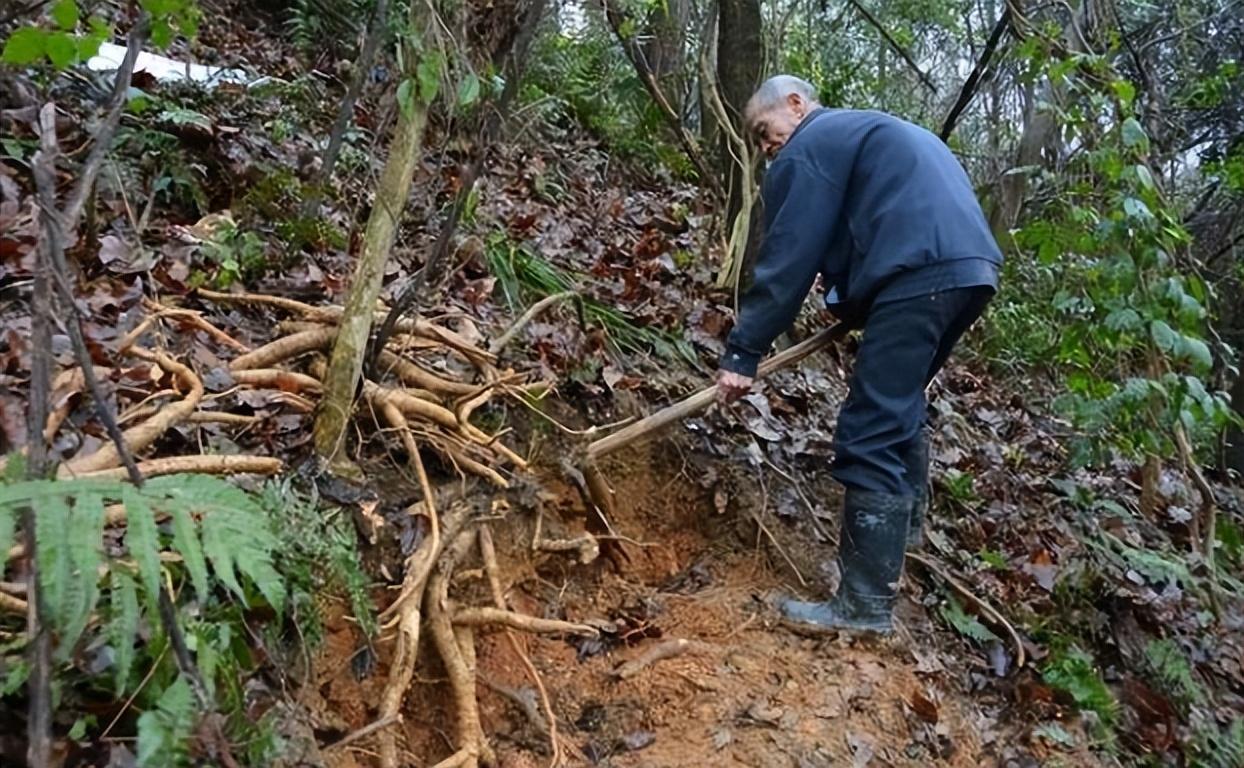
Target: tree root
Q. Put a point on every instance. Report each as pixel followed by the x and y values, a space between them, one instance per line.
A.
pixel 197 320
pixel 275 378
pixel 203 465
pixel 284 348
pixel 484 617
pixel 143 435
pixel 14 605
pixel 416 376
pixel 659 652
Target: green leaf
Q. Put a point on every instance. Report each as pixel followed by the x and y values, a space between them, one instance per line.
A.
pixel 468 90
pixel 62 49
pixel 25 46
pixel 429 74
pixel 966 625
pixel 1125 319
pixel 1163 336
pixel 1145 177
pixel 1134 136
pixel 52 556
pixel 161 33
pixel 85 541
pixel 163 732
pixel 143 542
pixel 8 527
pixel 406 98
pixel 186 540
pixel 1125 91
pixel 1197 351
pixel 65 14
pixel 78 730
pixel 123 625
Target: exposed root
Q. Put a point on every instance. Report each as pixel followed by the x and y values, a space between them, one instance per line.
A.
pixel 10 604
pixel 500 343
pixel 280 302
pixel 218 417
pixel 456 760
pixel 484 617
pixel 417 376
pixel 363 732
pixel 197 320
pixel 659 652
pixel 418 567
pixel 143 435
pixel 203 465
pixel 461 681
pixel 275 378
pixel 488 553
pixel 284 348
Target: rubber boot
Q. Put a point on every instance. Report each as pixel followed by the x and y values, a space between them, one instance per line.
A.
pixel 870 559
pixel 916 461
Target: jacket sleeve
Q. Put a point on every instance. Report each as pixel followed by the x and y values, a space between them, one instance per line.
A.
pixel 802 207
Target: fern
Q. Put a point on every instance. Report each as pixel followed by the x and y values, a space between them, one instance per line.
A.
pixel 965 624
pixel 123 625
pixel 211 520
pixel 8 527
pixel 1217 747
pixel 163 732
pixel 1171 670
pixel 1074 672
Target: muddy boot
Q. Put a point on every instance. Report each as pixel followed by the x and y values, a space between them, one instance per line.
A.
pixel 916 459
pixel 870 559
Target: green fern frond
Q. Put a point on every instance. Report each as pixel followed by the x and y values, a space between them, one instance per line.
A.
pixel 186 540
pixel 123 625
pixel 84 538
pixel 1170 669
pixel 965 624
pixel 164 732
pixel 142 541
pixel 8 527
pixel 52 557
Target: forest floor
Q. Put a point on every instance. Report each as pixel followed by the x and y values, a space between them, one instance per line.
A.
pixel 718 517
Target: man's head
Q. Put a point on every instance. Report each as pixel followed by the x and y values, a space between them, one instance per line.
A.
pixel 775 110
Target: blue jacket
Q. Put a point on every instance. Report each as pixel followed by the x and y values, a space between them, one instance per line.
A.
pixel 879 207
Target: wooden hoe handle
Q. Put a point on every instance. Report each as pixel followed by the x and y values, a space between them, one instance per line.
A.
pixel 700 400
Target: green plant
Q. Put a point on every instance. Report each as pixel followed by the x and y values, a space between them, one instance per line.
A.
pixel 964 623
pixel 1215 746
pixel 524 276
pixel 237 254
pixel 1168 667
pixel 1072 670
pixel 960 486
pixel 226 549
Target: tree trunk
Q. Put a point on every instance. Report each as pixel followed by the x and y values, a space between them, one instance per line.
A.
pixel 345 366
pixel 740 63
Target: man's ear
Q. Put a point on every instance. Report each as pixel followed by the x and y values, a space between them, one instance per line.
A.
pixel 795 100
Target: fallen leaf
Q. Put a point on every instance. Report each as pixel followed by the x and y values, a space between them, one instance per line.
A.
pixel 1042 569
pixel 862 749
pixel 923 706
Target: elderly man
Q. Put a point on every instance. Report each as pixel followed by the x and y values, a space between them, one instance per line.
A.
pixel 882 211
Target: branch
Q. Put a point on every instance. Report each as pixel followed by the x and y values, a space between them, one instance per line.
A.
pixel 689 144
pixel 894 44
pixel 103 134
pixel 522 322
pixel 973 82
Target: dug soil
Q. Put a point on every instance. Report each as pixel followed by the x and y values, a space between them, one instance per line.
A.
pixel 706 562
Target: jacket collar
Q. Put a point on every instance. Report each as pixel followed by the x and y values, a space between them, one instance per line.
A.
pixel 806 121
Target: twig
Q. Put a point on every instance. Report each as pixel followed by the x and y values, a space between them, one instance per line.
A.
pixel 689 144
pixel 894 44
pixel 102 139
pixel 773 540
pixel 981 605
pixel 483 617
pixel 363 732
pixel 525 319
pixel 974 78
pixel 376 28
pixel 206 465
pixel 659 652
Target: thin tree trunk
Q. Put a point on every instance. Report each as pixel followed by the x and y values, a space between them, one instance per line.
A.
pixel 345 366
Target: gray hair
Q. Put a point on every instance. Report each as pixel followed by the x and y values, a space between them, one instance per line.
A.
pixel 774 91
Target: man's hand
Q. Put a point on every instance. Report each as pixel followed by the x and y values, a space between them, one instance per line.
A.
pixel 731 386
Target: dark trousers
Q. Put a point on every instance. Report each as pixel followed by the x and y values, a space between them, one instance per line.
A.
pixel 905 344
